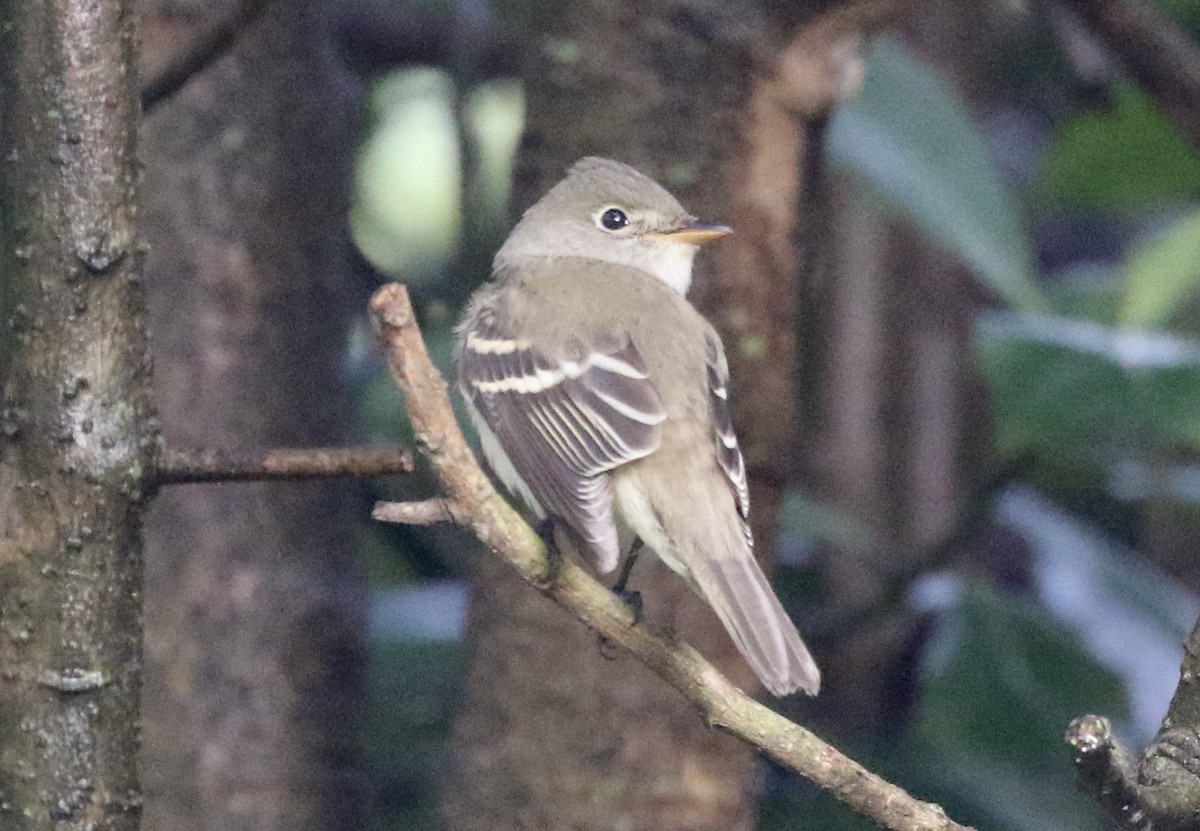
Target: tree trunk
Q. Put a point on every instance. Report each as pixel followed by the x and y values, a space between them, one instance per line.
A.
pixel 554 732
pixel 75 437
pixel 254 608
pixel 901 423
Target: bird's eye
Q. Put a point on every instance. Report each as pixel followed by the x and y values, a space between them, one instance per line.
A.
pixel 614 219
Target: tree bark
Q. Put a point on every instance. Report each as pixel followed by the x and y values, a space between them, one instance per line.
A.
pixel 254 607
pixel 902 423
pixel 76 440
pixel 553 732
pixel 1160 791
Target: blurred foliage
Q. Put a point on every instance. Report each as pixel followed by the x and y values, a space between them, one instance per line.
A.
pixel 1000 682
pixel 412 691
pixel 1070 387
pixel 912 142
pixel 998 660
pixel 415 197
pixel 1163 275
pixel 1085 382
pixel 406 215
pixel 1127 157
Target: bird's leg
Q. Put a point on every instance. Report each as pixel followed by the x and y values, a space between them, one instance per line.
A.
pixel 632 599
pixel 554 555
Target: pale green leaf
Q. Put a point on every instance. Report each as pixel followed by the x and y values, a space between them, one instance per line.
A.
pixel 1162 273
pixel 912 142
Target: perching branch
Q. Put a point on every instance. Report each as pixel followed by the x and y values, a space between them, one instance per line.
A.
pixel 1161 791
pixel 472 502
pixel 177 467
pixel 205 48
pixel 1155 52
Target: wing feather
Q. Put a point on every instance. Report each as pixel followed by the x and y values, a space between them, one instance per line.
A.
pixel 564 416
pixel 729 453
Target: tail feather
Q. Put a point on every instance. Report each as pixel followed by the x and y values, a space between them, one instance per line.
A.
pixel 738 591
pixel 711 550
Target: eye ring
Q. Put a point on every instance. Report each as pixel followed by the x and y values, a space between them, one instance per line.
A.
pixel 612 219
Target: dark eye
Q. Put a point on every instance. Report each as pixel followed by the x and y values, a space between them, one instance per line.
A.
pixel 614 219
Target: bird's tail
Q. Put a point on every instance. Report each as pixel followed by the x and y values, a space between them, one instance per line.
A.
pixel 711 549
pixel 739 593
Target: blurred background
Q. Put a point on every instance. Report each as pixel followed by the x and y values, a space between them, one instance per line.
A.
pixel 963 324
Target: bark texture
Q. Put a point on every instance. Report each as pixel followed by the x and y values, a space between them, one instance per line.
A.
pixel 1160 791
pixel 553 731
pixel 76 442
pixel 254 608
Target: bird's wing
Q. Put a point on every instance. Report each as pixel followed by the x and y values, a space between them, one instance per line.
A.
pixel 564 416
pixel 729 454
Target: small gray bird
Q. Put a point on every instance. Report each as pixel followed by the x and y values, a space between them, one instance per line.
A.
pixel 601 399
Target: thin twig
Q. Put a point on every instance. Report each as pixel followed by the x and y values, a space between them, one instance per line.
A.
pixel 1159 56
pixel 427 512
pixel 206 47
pixel 483 512
pixel 178 467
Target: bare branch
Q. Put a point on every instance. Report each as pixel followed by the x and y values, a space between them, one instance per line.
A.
pixel 428 512
pixel 177 467
pixel 1106 770
pixel 1155 52
pixel 1161 791
pixel 205 48
pixel 476 505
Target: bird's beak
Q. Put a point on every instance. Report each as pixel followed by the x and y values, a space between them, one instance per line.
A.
pixel 694 233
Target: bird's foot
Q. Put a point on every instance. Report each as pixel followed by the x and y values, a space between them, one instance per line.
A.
pixel 554 555
pixel 632 599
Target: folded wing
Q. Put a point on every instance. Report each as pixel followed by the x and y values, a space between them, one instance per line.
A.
pixel 564 416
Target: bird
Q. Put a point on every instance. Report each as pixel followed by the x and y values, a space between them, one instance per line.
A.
pixel 601 399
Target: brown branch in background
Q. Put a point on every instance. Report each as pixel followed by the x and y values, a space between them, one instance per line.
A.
pixel 177 467
pixel 472 501
pixel 1155 52
pixel 1160 791
pixel 205 48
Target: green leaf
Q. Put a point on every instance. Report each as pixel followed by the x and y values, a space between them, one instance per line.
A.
pixel 1048 397
pixel 804 520
pixel 1126 159
pixel 409 159
pixel 1090 291
pixel 1004 678
pixel 412 689
pixel 1162 273
pixel 1063 386
pixel 1128 614
pixel 909 139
